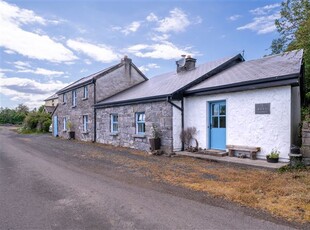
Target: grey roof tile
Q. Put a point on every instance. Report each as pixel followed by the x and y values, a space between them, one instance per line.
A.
pixel 165 84
pixel 259 69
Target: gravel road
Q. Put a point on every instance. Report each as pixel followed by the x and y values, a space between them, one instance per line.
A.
pixel 50 183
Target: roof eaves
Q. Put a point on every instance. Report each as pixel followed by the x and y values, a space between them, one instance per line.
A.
pixel 76 86
pixel 290 79
pixel 234 60
pixel 131 102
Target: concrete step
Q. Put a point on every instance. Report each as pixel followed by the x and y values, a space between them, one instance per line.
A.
pixel 215 153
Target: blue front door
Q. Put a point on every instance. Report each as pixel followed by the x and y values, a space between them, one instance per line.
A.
pixel 55 125
pixel 218 125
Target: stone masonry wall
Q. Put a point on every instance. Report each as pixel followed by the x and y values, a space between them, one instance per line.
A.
pixel 159 113
pixel 75 114
pixel 305 150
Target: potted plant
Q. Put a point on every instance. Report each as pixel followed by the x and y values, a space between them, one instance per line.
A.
pixel 155 138
pixel 70 130
pixel 273 157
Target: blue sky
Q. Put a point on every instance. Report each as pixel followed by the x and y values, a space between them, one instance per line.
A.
pixel 47 44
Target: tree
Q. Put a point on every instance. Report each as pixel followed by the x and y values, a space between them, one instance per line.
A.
pixel 294 29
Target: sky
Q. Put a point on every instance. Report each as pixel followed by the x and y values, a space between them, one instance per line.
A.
pixel 47 44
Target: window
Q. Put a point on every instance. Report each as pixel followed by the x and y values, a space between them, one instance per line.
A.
pixel 140 123
pixel 85 95
pixel 114 123
pixel 85 123
pixel 74 97
pixel 65 124
pixel 64 98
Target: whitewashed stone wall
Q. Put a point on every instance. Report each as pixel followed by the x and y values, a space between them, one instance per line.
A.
pixel 159 113
pixel 243 126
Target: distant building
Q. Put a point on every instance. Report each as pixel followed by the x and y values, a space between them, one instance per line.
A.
pixel 51 103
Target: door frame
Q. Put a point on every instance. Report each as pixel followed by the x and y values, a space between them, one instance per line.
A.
pixel 209 121
pixel 55 126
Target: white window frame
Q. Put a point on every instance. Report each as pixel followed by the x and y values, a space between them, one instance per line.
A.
pixel 85 92
pixel 65 124
pixel 74 96
pixel 85 123
pixel 114 122
pixel 140 122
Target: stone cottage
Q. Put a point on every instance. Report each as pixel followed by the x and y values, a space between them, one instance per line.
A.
pixel 77 100
pixel 230 102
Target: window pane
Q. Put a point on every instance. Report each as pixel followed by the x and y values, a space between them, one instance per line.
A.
pixel 222 109
pixel 222 122
pixel 141 128
pixel 115 127
pixel 214 122
pixel 114 118
pixel 215 110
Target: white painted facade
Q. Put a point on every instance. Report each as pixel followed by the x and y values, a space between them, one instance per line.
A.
pixel 243 126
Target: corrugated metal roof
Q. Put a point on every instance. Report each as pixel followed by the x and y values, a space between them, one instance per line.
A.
pixel 165 84
pixel 259 69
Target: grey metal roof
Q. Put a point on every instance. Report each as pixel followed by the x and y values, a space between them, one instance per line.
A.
pixel 165 84
pixel 54 96
pixel 268 67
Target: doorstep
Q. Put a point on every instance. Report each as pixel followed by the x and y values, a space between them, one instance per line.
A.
pixel 235 160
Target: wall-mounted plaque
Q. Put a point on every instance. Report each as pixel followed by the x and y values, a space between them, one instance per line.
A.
pixel 262 108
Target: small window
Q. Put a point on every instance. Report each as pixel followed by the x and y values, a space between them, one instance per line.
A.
pixel 85 123
pixel 64 98
pixel 114 123
pixel 74 98
pixel 65 124
pixel 85 95
pixel 140 123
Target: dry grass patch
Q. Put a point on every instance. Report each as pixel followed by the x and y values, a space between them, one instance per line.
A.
pixel 282 194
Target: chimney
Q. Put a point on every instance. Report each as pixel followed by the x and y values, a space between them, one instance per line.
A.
pixel 185 63
pixel 126 60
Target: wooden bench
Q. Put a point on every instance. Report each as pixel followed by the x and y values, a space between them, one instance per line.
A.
pixel 252 150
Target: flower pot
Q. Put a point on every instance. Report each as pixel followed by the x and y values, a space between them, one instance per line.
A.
pixel 155 143
pixel 71 135
pixel 272 160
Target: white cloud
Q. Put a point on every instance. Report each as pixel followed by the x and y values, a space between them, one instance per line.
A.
pixel 16 40
pixel 265 9
pixel 177 21
pixel 133 27
pixel 27 91
pixel 159 38
pixel 262 25
pixel 165 50
pixel 100 52
pixel 21 65
pixel 42 71
pixel 234 17
pixel 152 17
pixel 149 66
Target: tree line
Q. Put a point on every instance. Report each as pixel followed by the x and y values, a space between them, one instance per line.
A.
pixel 31 121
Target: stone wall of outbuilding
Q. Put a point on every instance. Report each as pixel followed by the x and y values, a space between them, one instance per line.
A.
pixel 159 113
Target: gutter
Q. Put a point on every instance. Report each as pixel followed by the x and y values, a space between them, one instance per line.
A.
pixel 182 114
pixel 95 112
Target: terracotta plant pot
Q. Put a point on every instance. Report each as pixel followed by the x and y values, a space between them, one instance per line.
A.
pixel 155 143
pixel 272 160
